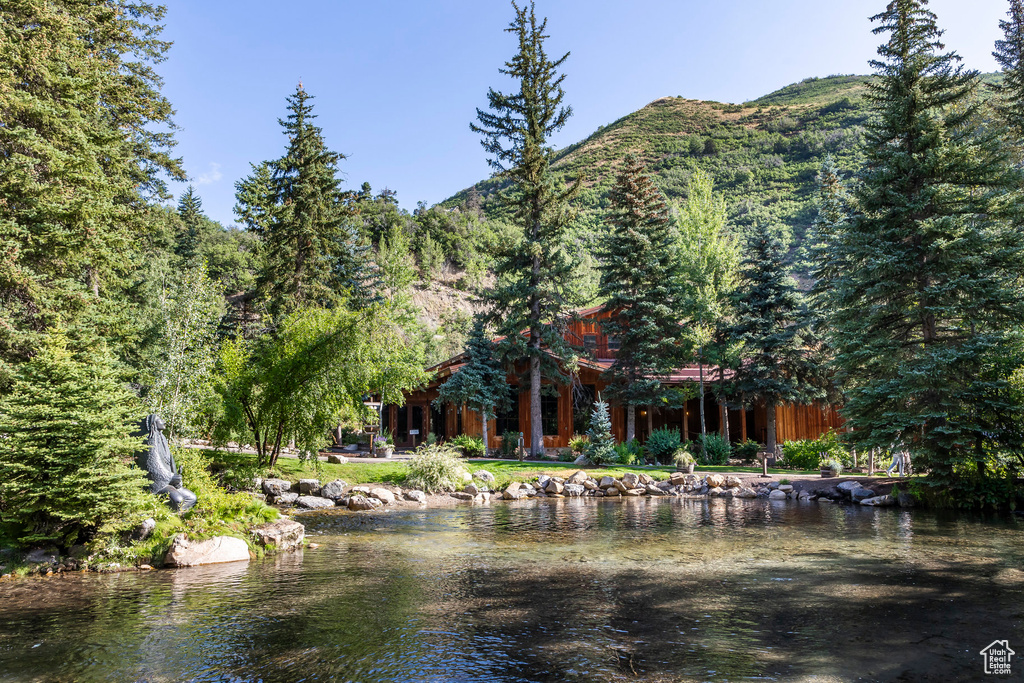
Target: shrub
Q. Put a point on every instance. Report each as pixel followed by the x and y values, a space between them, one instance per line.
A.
pixel 601 444
pixel 662 443
pixel 804 454
pixel 578 443
pixel 435 468
pixel 715 450
pixel 510 445
pixel 831 464
pixel 468 446
pixel 566 455
pixel 747 450
pixel 682 458
pixel 628 453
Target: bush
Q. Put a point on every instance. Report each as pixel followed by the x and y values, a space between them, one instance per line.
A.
pixel 510 445
pixel 468 446
pixel 601 444
pixel 682 458
pixel 566 455
pixel 715 450
pixel 747 450
pixel 662 443
pixel 628 453
pixel 578 443
pixel 435 468
pixel 803 454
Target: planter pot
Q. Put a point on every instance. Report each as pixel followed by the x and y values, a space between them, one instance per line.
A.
pixel 387 452
pixel 827 474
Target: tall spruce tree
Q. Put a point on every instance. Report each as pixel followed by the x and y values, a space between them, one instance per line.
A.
pixel 924 281
pixel 190 210
pixel 295 205
pixel 481 383
pixel 1009 53
pixel 771 324
pixel 533 290
pixel 641 278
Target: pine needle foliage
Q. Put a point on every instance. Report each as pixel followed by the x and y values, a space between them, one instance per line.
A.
pixel 1009 54
pixel 66 450
pixel 533 292
pixel 641 283
pixel 600 448
pixel 923 280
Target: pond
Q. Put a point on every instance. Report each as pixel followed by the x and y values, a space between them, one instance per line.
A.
pixel 570 590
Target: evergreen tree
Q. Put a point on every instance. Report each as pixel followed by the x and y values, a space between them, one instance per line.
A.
pixel 190 210
pixel 600 448
pixel 771 324
pixel 481 382
pixel 640 283
pixel 83 146
pixel 1009 53
pixel 295 205
pixel 66 449
pixel 532 293
pixel 710 257
pixel 925 291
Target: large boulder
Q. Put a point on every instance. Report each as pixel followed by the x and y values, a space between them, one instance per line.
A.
pixel 777 495
pixel 554 487
pixel 284 534
pixel 337 459
pixel 860 494
pixel 186 553
pixel 653 490
pixel 383 495
pixel 513 494
pixel 733 482
pixel 612 491
pixel 309 487
pixel 715 492
pixel 416 496
pixel 573 489
pixel 286 498
pixel 582 461
pixel 472 489
pixel 359 502
pixel 745 492
pixel 462 495
pixel 630 480
pixel 314 502
pixel 275 487
pixel 621 486
pixel 847 486
pixel 577 478
pixel 334 489
pixel 484 476
pixel 715 481
pixel 590 485
pixel 677 478
pixel 632 492
pixel 645 478
pixel 606 482
pixel 542 481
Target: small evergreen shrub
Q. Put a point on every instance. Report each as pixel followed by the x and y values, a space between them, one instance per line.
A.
pixel 715 450
pixel 510 445
pixel 628 453
pixel 435 468
pixel 662 443
pixel 468 446
pixel 747 450
pixel 566 455
pixel 601 444
pixel 804 454
pixel 578 443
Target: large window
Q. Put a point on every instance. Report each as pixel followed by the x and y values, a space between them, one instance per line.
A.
pixel 549 414
pixel 508 421
pixel 590 342
pixel 613 344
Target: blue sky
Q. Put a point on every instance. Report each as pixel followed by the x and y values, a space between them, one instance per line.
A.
pixel 398 81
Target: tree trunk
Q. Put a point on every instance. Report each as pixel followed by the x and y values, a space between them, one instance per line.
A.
pixel 630 423
pixel 700 368
pixel 483 421
pixel 724 410
pixel 770 446
pixel 650 420
pixel 536 423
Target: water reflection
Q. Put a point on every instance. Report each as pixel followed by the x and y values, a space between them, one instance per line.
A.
pixel 571 590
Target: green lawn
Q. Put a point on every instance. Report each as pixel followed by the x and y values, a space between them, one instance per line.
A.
pixel 505 471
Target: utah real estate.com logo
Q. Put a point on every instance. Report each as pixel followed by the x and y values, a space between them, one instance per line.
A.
pixel 997 657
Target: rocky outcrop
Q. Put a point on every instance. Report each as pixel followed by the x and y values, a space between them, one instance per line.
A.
pixel 186 553
pixel 284 534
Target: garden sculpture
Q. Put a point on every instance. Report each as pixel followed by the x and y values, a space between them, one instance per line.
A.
pixel 159 464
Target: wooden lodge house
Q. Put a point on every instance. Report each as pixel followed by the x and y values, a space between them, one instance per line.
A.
pixel 568 413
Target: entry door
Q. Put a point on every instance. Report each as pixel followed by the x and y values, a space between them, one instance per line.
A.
pixel 410 425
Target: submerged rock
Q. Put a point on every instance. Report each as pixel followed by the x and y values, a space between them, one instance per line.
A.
pixel 879 501
pixel 185 553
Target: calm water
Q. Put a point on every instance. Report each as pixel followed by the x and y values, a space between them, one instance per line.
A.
pixel 573 590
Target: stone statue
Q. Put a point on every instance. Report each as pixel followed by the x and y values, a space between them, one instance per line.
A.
pixel 158 462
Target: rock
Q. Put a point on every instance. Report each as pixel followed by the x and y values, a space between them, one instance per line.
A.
pixel 777 495
pixel 677 478
pixel 733 482
pixel 461 495
pixel 259 496
pixel 715 492
pixel 284 534
pixel 715 481
pixel 612 491
pixel 553 487
pixel 185 553
pixel 333 490
pixel 143 530
pixel 383 495
pixel 772 485
pixel 804 495
pixel 573 490
pixel 726 494
pixel 653 490
pixel 286 498
pixel 630 480
pixel 466 476
pixel 309 487
pixel 578 477
pixel 632 492
pixel 513 494
pixel 861 493
pixel 416 496
pixel 275 487
pixel 40 556
pixel 906 500
pixel 622 488
pixel 880 501
pixel 314 502
pixel 745 492
pixel 483 475
pixel 363 490
pixel 582 461
pixel 606 482
pixel 471 489
pixel 359 502
pixel 847 486
pixel 597 492
pixel 786 488
pixel 646 479
pixel 337 459
pixel 481 498
pixel 590 485
pixel 542 481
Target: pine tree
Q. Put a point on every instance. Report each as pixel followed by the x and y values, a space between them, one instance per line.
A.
pixel 771 324
pixel 926 291
pixel 481 382
pixel 295 205
pixel 1009 53
pixel 190 210
pixel 600 448
pixel 534 284
pixel 66 448
pixel 640 282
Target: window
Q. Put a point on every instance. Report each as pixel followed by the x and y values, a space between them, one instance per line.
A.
pixel 613 344
pixel 549 414
pixel 582 406
pixel 590 342
pixel 402 425
pixel 508 421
